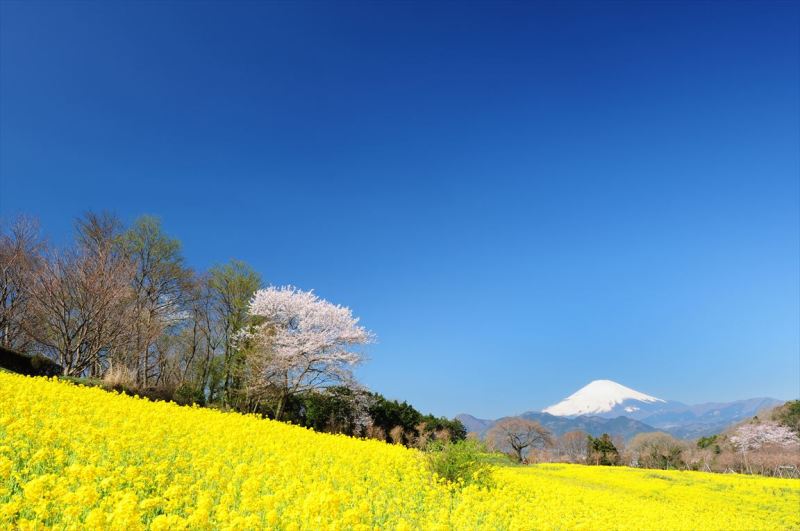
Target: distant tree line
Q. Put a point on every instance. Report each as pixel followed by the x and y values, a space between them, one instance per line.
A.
pixel 362 413
pixel 120 307
pixel 768 444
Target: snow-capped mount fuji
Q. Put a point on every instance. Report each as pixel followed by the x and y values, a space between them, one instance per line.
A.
pixel 605 398
pixel 604 406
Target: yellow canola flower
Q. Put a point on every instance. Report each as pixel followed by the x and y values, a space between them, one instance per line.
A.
pixel 73 457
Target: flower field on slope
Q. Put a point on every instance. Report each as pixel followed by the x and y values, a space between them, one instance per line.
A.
pixel 74 458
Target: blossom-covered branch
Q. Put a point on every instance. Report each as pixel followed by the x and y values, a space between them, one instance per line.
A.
pixel 302 342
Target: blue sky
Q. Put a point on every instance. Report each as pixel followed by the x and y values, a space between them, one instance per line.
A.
pixel 517 198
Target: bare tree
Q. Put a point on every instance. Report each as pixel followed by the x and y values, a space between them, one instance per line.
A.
pixel 619 443
pixel 98 232
pixel 80 301
pixel 571 446
pixel 517 436
pixel 698 458
pixel 656 450
pixel 125 300
pixel 20 253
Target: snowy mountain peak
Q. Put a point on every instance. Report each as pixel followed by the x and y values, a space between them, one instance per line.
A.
pixel 601 396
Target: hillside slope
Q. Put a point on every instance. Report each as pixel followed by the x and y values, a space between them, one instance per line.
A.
pixel 690 422
pixel 83 458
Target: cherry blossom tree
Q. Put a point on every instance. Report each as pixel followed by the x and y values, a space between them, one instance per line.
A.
pixel 302 343
pixel 754 436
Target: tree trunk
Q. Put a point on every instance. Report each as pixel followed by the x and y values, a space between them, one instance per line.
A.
pixel 279 407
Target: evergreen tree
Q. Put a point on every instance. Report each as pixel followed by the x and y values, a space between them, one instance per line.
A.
pixel 601 450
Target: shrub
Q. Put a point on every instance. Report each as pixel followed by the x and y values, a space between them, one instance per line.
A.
pixel 35 365
pixel 120 376
pixel 788 415
pixel 710 443
pixel 460 462
pixel 188 394
pixel 335 410
pixel 657 450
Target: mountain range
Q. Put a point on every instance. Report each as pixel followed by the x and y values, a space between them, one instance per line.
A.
pixel 604 406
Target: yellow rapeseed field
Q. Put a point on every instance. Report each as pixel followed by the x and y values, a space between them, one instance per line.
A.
pixel 75 458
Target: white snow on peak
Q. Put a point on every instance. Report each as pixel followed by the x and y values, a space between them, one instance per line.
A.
pixel 599 396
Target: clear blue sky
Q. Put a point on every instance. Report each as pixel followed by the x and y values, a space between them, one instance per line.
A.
pixel 517 198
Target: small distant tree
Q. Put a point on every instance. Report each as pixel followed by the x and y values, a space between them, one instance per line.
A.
pixel 517 437
pixel 703 454
pixel 601 450
pixel 711 443
pixel 657 450
pixel 571 446
pixel 621 446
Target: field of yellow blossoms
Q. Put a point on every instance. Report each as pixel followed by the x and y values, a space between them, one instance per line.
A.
pixel 73 457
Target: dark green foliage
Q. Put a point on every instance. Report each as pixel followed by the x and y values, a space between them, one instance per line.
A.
pixel 388 415
pixel 710 442
pixel 347 411
pixel 601 450
pixel 292 410
pixel 788 415
pixel 35 365
pixel 454 427
pixel 333 411
pixel 187 394
pixel 461 462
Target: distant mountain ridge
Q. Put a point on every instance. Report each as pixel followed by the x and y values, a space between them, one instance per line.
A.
pixel 594 426
pixel 605 406
pixel 689 422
